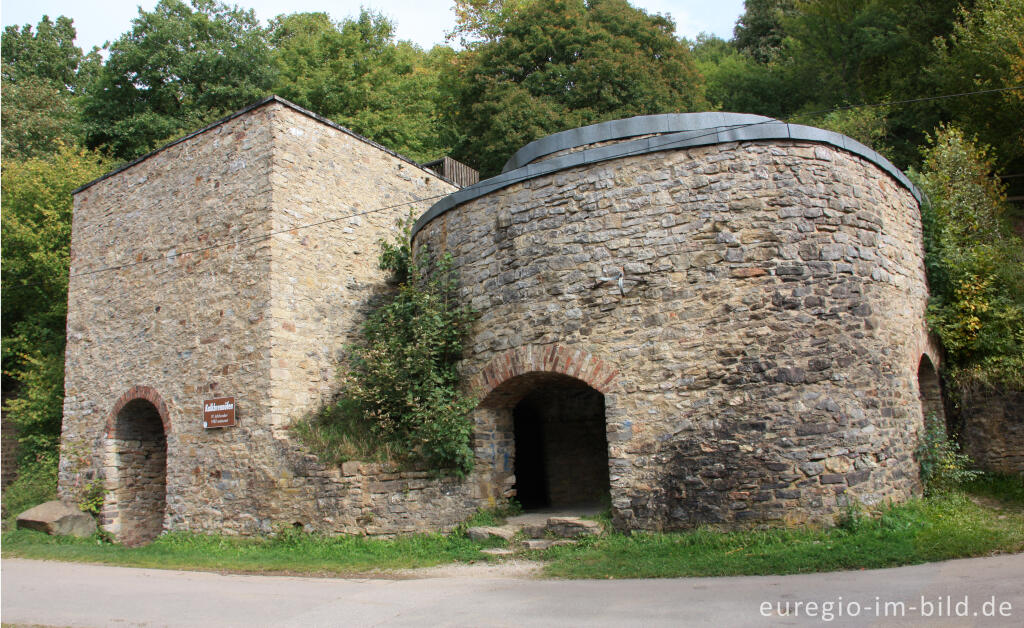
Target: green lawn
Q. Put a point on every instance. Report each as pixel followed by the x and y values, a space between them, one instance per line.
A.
pixel 916 532
pixel 290 552
pixel 988 520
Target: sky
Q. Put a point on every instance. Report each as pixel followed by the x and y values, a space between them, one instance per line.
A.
pixel 422 21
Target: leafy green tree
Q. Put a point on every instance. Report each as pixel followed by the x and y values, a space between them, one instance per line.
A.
pixel 178 68
pixel 844 48
pixel 549 66
pixel 866 51
pixel 38 117
pixel 975 263
pixel 356 73
pixel 759 31
pixel 43 75
pixel 983 51
pixel 49 53
pixel 735 81
pixel 482 20
pixel 34 243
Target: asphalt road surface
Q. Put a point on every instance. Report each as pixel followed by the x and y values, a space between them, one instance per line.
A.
pixel 970 592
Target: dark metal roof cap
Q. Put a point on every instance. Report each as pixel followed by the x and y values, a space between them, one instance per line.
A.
pixel 666 132
pixel 626 128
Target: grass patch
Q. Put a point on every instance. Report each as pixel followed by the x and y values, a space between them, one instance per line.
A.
pixel 1005 488
pixel 291 552
pixel 336 440
pixel 986 521
pixel 922 530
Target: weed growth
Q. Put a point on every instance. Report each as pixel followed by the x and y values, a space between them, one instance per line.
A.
pixel 943 467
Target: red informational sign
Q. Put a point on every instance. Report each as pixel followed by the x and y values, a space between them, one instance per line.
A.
pixel 219 412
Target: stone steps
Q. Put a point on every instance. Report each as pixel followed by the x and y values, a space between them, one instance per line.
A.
pixel 540 532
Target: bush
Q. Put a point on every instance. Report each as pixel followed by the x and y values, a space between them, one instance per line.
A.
pixel 943 467
pixel 36 483
pixel 399 397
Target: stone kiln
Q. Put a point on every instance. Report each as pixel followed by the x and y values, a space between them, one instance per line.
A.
pixel 695 318
pixel 748 296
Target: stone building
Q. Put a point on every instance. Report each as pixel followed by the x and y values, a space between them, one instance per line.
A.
pixel 691 317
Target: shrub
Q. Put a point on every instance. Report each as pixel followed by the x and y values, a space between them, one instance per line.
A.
pixel 943 467
pixel 399 395
pixel 93 495
pixel 36 483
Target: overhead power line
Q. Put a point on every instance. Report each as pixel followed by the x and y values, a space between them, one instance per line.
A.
pixel 172 253
pixel 909 101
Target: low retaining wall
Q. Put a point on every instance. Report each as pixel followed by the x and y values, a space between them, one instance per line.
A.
pixel 993 429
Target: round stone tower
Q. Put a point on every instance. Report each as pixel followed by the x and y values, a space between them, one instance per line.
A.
pixel 696 318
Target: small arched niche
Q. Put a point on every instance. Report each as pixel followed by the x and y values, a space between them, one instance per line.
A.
pixel 559 443
pixel 139 446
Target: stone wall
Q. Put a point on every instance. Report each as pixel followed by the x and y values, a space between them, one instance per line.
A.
pixel 222 290
pixel 992 423
pixel 180 318
pixel 759 361
pixel 323 280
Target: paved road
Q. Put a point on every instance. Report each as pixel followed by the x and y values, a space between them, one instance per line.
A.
pixel 64 594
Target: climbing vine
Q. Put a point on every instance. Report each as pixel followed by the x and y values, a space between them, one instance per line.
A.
pixel 399 397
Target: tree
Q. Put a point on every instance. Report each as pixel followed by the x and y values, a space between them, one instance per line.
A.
pixel 49 53
pixel 482 20
pixel 551 66
pixel 836 53
pixel 355 73
pixel 759 31
pixel 975 263
pixel 34 244
pixel 177 69
pixel 43 75
pixel 735 81
pixel 37 118
pixel 985 50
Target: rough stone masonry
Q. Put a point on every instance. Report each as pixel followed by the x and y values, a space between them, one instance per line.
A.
pixel 693 318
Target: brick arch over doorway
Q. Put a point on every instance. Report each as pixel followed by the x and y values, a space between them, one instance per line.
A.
pixel 559 359
pixel 146 393
pixel 542 425
pixel 136 445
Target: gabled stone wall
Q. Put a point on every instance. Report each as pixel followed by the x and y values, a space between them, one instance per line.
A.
pixel 196 274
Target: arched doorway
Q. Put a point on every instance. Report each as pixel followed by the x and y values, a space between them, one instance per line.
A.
pixel 139 446
pixel 930 390
pixel 559 440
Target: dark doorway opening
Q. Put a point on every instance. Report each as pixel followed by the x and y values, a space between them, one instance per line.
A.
pixel 561 447
pixel 929 387
pixel 141 447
